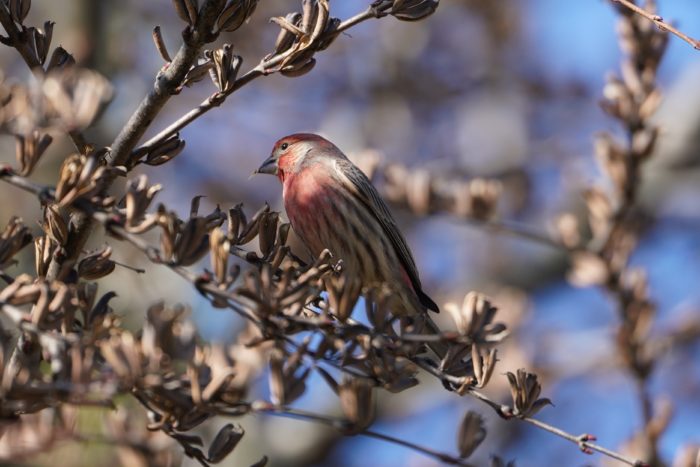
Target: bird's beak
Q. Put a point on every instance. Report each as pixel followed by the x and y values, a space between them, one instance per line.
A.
pixel 268 167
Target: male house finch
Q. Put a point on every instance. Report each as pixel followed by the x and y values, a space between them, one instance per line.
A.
pixel 332 205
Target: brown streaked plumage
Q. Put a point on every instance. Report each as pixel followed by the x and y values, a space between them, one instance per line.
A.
pixel 332 204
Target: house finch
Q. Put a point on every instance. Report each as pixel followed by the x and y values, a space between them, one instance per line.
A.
pixel 332 205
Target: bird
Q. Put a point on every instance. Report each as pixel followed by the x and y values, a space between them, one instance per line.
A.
pixel 331 204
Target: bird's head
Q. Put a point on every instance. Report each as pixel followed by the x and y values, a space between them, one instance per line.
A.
pixel 291 153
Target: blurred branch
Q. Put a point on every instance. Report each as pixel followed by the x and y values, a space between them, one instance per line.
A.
pixel 685 334
pixel 344 426
pixel 659 22
pixel 19 40
pixel 472 201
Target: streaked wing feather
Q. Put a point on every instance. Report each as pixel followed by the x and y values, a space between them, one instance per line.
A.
pixel 376 204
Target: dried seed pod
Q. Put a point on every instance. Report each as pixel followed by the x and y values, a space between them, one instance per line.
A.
pixel 160 44
pixel 181 10
pixel 471 434
pixel 650 104
pixel 483 365
pixel 42 40
pixel 321 21
pixel 80 176
pixel 236 219
pixel 357 402
pixel 138 198
pixel 225 68
pixel 165 151
pixel 600 211
pixel 277 383
pixel 418 192
pixel 329 34
pixel 267 232
pixel 296 69
pixel 13 238
pixel 19 9
pixel 75 97
pixel 286 38
pixel 219 246
pixel 644 142
pixel 44 249
pixel 192 7
pixel 60 58
pixel 29 149
pixel 278 255
pixel 54 224
pixel 483 197
pixel 309 10
pixel 96 265
pixel 192 242
pixel 475 319
pixel 225 442
pixel 283 233
pixel 568 230
pixel 525 391
pixel 235 14
pixel 250 231
pixel 197 73
pixel 412 10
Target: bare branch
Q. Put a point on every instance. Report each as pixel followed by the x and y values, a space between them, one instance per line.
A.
pixel 659 21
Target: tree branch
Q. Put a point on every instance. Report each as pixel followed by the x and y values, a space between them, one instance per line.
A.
pixel 260 70
pixel 506 412
pixel 659 22
pixel 167 82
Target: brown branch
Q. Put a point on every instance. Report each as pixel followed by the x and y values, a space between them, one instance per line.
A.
pixel 167 82
pixel 165 85
pixel 506 412
pixel 260 70
pixel 584 443
pixel 513 229
pixel 659 22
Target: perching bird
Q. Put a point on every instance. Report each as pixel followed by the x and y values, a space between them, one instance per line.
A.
pixel 331 204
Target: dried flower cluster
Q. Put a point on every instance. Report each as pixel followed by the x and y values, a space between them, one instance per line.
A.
pixel 73 349
pixel 614 223
pixel 425 193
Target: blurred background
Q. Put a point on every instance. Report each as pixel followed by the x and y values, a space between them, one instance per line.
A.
pixel 507 90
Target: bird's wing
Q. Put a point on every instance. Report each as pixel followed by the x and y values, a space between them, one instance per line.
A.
pixel 373 201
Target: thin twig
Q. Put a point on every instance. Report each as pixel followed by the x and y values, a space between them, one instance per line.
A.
pixel 514 229
pixel 343 426
pixel 582 441
pixel 659 22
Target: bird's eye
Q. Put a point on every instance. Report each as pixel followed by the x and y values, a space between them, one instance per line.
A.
pixel 284 146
